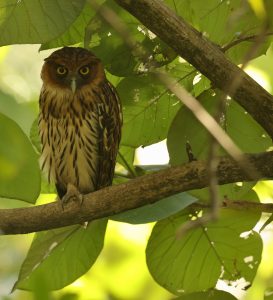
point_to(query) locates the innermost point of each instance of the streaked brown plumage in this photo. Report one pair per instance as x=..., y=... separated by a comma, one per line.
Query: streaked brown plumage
x=79, y=122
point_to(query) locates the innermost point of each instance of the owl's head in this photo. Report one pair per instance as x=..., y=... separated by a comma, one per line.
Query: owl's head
x=72, y=68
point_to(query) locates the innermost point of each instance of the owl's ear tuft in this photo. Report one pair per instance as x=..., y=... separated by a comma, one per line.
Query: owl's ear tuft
x=50, y=58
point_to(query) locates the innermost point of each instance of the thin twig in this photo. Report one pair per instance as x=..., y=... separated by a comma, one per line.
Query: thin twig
x=252, y=38
x=129, y=169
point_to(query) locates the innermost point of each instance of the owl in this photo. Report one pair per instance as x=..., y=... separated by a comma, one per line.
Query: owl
x=79, y=123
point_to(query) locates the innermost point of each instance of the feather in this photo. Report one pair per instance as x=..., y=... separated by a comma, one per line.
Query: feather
x=80, y=132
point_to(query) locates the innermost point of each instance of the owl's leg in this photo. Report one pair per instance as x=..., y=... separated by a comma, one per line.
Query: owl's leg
x=72, y=193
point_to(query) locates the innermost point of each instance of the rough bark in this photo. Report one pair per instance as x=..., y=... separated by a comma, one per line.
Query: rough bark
x=141, y=191
x=205, y=57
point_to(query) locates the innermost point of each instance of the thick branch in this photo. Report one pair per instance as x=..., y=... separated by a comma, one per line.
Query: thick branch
x=135, y=193
x=204, y=56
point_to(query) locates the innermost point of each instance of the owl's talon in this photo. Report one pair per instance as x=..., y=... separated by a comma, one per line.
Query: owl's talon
x=62, y=204
x=72, y=194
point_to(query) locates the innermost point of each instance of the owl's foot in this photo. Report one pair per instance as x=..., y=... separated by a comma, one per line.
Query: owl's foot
x=72, y=194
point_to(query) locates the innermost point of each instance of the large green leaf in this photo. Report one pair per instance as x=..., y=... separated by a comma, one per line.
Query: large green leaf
x=148, y=108
x=185, y=128
x=75, y=33
x=225, y=249
x=245, y=131
x=22, y=113
x=234, y=18
x=268, y=297
x=60, y=256
x=119, y=58
x=46, y=187
x=116, y=55
x=112, y=49
x=34, y=136
x=34, y=22
x=210, y=295
x=247, y=134
x=19, y=169
x=156, y=211
x=232, y=191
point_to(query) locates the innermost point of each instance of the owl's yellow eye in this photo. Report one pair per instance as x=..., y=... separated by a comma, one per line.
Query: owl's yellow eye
x=61, y=70
x=84, y=70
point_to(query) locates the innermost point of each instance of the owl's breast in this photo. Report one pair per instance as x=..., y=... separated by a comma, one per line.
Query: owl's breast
x=70, y=149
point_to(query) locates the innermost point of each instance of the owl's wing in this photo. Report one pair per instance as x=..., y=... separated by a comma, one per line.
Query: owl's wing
x=110, y=122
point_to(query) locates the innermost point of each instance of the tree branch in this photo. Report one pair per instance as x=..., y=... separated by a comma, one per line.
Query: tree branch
x=140, y=191
x=204, y=56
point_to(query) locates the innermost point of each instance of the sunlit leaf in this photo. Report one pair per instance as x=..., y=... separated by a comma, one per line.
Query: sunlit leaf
x=60, y=256
x=34, y=136
x=76, y=32
x=213, y=18
x=46, y=187
x=193, y=263
x=246, y=133
x=148, y=109
x=30, y=21
x=22, y=113
x=19, y=169
x=232, y=191
x=269, y=11
x=210, y=295
x=118, y=58
x=156, y=211
x=185, y=128
x=269, y=296
x=126, y=157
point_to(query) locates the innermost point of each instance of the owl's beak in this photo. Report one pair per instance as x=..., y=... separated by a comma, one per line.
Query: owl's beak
x=73, y=85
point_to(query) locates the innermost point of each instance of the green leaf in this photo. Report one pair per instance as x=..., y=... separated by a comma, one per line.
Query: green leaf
x=247, y=134
x=22, y=113
x=34, y=22
x=245, y=131
x=46, y=187
x=119, y=58
x=156, y=211
x=210, y=295
x=225, y=249
x=60, y=256
x=268, y=5
x=269, y=296
x=148, y=110
x=126, y=157
x=232, y=191
x=116, y=56
x=19, y=168
x=76, y=32
x=34, y=136
x=112, y=49
x=185, y=128
x=201, y=85
x=234, y=18
x=266, y=223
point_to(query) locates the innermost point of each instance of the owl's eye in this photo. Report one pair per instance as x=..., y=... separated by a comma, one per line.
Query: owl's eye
x=61, y=70
x=84, y=70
